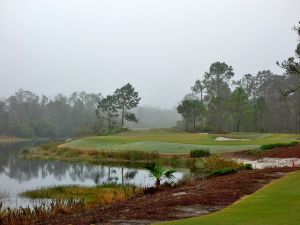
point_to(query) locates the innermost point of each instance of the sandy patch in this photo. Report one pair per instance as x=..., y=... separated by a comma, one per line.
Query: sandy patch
x=230, y=139
x=271, y=162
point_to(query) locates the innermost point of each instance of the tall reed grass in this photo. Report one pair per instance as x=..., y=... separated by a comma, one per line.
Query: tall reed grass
x=102, y=194
x=216, y=163
x=28, y=216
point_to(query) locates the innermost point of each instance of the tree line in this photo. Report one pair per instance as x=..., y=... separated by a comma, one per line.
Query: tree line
x=25, y=114
x=265, y=102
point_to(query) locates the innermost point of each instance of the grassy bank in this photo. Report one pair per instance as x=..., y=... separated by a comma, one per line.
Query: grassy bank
x=174, y=141
x=134, y=158
x=101, y=194
x=275, y=204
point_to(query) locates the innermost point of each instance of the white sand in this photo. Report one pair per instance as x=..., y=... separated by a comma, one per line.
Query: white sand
x=230, y=139
x=271, y=162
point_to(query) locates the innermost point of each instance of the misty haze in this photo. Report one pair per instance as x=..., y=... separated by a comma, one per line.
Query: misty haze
x=141, y=112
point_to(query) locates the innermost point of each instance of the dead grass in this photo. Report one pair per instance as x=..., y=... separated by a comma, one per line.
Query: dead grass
x=217, y=162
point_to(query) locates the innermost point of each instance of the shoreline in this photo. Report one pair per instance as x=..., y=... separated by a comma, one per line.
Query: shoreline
x=11, y=139
x=135, y=158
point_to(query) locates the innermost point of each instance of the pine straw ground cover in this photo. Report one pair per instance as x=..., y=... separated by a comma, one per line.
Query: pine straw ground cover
x=278, y=152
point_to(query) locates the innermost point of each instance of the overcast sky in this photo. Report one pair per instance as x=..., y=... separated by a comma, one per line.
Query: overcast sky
x=160, y=46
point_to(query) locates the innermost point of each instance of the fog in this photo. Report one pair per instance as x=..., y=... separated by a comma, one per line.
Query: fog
x=161, y=47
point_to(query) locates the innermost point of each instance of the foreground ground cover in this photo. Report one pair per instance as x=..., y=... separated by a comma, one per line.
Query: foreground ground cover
x=174, y=141
x=275, y=204
x=187, y=199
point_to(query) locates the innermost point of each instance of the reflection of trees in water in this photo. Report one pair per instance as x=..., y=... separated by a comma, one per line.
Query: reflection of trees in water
x=24, y=170
x=129, y=175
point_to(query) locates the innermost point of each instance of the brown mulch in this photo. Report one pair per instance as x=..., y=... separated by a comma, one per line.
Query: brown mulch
x=188, y=199
x=282, y=152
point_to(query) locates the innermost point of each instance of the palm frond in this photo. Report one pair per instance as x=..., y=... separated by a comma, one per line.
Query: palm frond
x=169, y=174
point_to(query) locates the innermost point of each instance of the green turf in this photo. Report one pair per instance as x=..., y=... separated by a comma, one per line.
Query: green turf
x=174, y=141
x=276, y=204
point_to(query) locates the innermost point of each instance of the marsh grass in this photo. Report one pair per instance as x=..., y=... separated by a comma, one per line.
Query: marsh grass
x=132, y=155
x=101, y=194
x=26, y=215
x=3, y=195
x=217, y=162
x=217, y=165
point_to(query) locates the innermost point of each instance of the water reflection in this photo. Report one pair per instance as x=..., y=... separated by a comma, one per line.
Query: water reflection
x=17, y=174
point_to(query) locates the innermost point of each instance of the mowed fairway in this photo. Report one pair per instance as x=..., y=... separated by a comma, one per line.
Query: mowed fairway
x=276, y=204
x=175, y=141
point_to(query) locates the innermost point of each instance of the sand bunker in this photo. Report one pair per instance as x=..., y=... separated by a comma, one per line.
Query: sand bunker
x=229, y=139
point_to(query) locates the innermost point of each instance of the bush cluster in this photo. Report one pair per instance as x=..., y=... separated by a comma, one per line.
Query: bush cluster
x=246, y=166
x=276, y=145
x=198, y=153
x=216, y=165
x=222, y=171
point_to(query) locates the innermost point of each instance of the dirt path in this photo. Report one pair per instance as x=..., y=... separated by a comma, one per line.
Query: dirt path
x=190, y=199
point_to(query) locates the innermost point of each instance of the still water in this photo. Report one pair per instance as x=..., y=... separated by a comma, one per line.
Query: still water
x=18, y=175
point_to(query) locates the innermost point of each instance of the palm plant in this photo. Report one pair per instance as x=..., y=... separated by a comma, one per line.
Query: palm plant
x=158, y=173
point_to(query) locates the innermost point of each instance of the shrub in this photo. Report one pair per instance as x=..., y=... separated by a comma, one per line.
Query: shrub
x=158, y=173
x=246, y=166
x=26, y=151
x=198, y=153
x=276, y=145
x=176, y=161
x=50, y=145
x=71, y=153
x=222, y=171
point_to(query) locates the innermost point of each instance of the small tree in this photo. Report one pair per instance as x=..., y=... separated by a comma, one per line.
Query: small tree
x=239, y=107
x=191, y=109
x=217, y=79
x=108, y=107
x=260, y=111
x=198, y=88
x=127, y=98
x=292, y=65
x=184, y=108
x=158, y=173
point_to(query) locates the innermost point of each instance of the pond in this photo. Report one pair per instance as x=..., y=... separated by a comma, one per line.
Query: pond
x=18, y=175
